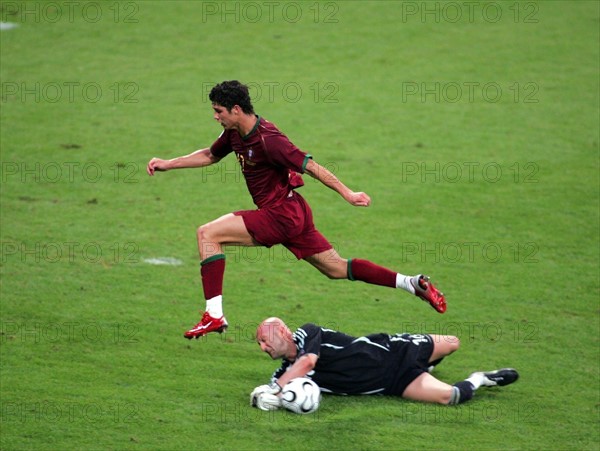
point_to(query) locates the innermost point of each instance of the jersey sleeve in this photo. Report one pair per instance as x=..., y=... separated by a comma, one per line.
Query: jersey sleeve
x=309, y=338
x=221, y=147
x=279, y=371
x=282, y=152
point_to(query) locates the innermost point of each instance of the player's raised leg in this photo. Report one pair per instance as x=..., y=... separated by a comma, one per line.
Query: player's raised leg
x=228, y=229
x=335, y=267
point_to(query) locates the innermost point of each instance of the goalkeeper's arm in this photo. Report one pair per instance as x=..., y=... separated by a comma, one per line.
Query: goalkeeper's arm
x=266, y=397
x=301, y=367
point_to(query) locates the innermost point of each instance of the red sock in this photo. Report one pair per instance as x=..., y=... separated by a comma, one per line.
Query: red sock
x=211, y=271
x=371, y=273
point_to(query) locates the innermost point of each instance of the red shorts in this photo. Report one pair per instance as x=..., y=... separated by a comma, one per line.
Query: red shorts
x=290, y=224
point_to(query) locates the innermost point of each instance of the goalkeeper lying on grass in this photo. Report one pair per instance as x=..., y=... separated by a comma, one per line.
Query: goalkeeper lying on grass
x=397, y=365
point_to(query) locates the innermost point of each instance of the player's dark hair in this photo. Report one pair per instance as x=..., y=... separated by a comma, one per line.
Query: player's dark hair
x=231, y=93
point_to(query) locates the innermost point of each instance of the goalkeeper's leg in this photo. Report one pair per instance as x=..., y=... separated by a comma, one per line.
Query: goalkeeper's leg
x=429, y=389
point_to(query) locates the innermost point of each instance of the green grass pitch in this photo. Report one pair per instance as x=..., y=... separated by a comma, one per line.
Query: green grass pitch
x=472, y=125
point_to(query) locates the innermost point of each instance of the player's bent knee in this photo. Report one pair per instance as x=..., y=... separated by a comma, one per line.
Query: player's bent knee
x=203, y=233
x=454, y=343
x=450, y=344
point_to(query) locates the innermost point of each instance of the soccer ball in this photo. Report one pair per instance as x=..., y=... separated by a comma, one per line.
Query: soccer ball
x=301, y=395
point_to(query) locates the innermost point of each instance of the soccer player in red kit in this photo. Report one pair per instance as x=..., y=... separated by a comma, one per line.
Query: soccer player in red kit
x=271, y=166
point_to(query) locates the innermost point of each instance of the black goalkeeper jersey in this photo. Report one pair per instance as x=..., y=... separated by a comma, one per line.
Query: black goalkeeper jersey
x=359, y=365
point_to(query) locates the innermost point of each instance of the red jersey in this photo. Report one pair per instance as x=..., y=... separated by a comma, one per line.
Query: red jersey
x=269, y=161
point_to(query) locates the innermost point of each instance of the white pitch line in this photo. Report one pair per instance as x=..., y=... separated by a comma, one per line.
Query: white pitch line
x=8, y=25
x=170, y=261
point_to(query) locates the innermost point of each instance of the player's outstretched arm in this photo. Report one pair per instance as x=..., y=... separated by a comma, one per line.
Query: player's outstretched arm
x=327, y=178
x=301, y=367
x=199, y=158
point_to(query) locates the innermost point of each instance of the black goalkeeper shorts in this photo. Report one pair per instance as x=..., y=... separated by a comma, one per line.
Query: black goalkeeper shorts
x=414, y=352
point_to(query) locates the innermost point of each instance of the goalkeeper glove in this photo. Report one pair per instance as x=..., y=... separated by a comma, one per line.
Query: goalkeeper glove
x=265, y=397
